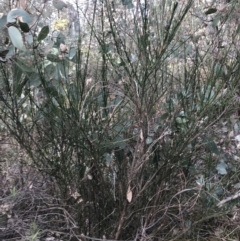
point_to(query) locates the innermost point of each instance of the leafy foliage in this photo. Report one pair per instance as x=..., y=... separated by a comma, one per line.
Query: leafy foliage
x=43, y=33
x=125, y=119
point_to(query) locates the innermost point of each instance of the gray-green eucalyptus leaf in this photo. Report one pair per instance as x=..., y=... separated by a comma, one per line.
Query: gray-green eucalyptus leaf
x=16, y=38
x=16, y=13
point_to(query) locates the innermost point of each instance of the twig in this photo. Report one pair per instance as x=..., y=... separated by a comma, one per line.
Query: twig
x=84, y=238
x=236, y=195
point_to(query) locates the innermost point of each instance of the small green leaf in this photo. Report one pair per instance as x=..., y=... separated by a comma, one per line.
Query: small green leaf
x=211, y=11
x=211, y=145
x=24, y=67
x=16, y=38
x=24, y=27
x=72, y=53
x=149, y=140
x=221, y=168
x=53, y=58
x=17, y=77
x=208, y=93
x=128, y=3
x=34, y=80
x=59, y=4
x=49, y=70
x=216, y=21
x=108, y=157
x=200, y=181
x=118, y=128
x=188, y=223
x=53, y=51
x=181, y=120
x=236, y=128
x=237, y=186
x=17, y=73
x=119, y=142
x=164, y=116
x=238, y=29
x=43, y=33
x=219, y=190
x=60, y=39
x=61, y=70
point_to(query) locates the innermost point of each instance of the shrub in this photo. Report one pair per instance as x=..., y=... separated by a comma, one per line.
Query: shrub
x=127, y=117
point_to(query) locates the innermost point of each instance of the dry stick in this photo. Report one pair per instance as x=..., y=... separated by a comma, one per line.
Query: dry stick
x=84, y=238
x=215, y=215
x=236, y=195
x=121, y=221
